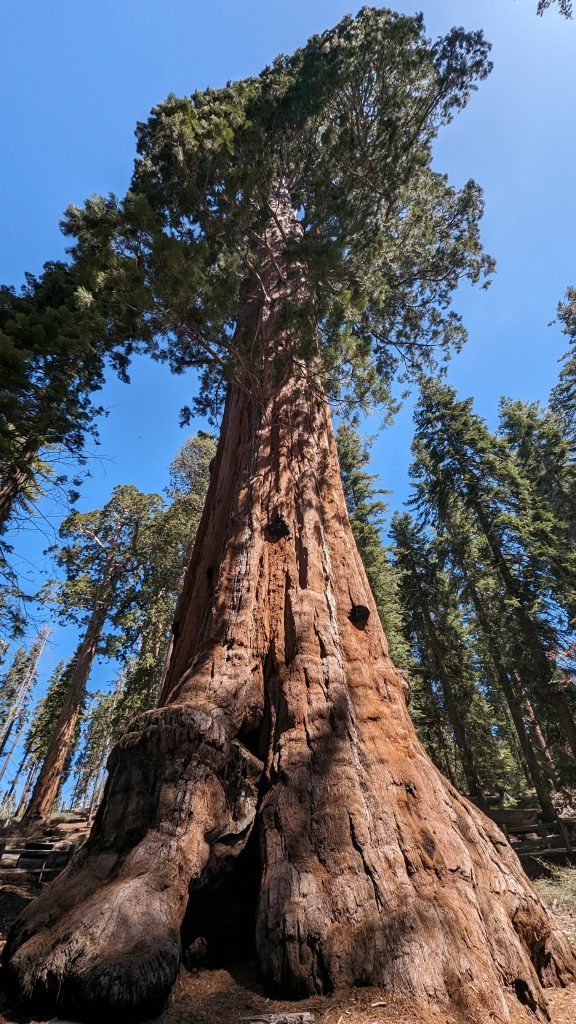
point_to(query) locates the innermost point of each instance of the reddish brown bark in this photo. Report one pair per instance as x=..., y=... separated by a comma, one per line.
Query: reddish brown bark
x=286, y=722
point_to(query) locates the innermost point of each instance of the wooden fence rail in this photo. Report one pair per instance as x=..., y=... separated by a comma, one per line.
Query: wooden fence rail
x=530, y=836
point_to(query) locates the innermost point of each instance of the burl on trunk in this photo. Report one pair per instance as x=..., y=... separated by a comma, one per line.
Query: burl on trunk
x=285, y=722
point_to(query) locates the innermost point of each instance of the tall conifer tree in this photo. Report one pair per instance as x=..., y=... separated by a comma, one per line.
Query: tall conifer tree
x=295, y=243
x=458, y=460
x=102, y=549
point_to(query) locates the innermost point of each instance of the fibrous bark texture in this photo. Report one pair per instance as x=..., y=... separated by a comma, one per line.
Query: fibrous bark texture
x=104, y=938
x=285, y=721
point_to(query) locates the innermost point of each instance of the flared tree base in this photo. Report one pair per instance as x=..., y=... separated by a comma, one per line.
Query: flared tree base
x=450, y=920
x=104, y=937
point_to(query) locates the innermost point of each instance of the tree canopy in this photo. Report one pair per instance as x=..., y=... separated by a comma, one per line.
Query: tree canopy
x=564, y=6
x=342, y=130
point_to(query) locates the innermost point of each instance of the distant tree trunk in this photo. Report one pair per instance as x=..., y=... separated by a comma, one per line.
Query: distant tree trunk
x=444, y=762
x=29, y=678
x=284, y=720
x=565, y=719
x=144, y=679
x=544, y=669
x=10, y=792
x=97, y=791
x=76, y=793
x=537, y=776
x=12, y=750
x=166, y=665
x=48, y=781
x=538, y=735
x=16, y=478
x=26, y=791
x=454, y=713
x=7, y=734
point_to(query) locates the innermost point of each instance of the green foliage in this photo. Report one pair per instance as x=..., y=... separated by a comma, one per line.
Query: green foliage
x=366, y=513
x=537, y=441
x=97, y=742
x=563, y=395
x=46, y=362
x=56, y=337
x=499, y=509
x=102, y=559
x=11, y=681
x=459, y=463
x=146, y=601
x=452, y=696
x=144, y=606
x=18, y=683
x=43, y=722
x=342, y=130
x=564, y=6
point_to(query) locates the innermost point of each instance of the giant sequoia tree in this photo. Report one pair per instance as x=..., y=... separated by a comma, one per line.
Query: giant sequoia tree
x=294, y=242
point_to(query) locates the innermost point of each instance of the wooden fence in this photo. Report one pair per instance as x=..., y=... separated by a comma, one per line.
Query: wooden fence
x=530, y=836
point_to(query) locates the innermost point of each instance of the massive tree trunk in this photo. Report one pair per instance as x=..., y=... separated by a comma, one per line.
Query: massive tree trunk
x=285, y=713
x=284, y=752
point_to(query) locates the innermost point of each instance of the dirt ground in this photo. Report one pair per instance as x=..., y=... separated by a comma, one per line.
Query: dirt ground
x=222, y=997
x=228, y=996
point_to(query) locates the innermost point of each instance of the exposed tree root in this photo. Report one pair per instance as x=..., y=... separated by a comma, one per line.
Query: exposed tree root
x=105, y=936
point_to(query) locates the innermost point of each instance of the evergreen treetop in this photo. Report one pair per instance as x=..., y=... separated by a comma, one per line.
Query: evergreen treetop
x=102, y=547
x=341, y=134
x=563, y=394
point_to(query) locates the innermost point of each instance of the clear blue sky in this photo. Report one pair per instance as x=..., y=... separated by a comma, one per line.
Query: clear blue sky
x=75, y=77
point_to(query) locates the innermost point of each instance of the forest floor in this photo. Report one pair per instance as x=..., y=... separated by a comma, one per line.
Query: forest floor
x=227, y=996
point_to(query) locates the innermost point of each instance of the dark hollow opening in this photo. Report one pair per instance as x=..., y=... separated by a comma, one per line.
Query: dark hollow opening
x=253, y=741
x=359, y=615
x=524, y=995
x=223, y=914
